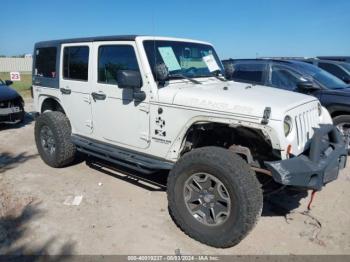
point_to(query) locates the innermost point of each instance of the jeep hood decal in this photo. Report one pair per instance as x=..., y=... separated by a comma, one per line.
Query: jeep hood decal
x=234, y=98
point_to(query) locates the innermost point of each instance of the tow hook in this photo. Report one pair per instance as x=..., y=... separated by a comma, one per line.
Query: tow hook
x=311, y=199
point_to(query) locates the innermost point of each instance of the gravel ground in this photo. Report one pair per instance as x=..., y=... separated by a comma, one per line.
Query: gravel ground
x=120, y=214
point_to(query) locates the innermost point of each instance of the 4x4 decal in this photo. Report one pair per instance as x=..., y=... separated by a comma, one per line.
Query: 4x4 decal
x=160, y=123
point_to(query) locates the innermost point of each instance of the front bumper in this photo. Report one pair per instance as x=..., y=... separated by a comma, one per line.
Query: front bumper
x=11, y=114
x=317, y=166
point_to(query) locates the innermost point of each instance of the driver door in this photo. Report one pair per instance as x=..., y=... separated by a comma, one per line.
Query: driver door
x=118, y=118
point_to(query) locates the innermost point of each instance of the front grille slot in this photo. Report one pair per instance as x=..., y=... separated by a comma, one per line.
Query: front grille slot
x=304, y=124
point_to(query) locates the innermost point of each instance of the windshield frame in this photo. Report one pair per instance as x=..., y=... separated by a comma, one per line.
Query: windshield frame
x=169, y=43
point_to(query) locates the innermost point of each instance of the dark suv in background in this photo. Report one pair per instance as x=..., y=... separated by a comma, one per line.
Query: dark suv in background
x=337, y=68
x=297, y=76
x=335, y=58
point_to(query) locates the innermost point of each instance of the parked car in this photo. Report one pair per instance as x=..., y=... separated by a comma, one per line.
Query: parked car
x=158, y=103
x=11, y=104
x=301, y=77
x=336, y=68
x=335, y=58
x=339, y=69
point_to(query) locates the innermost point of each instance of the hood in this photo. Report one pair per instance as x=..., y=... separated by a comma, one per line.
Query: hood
x=337, y=92
x=7, y=93
x=233, y=98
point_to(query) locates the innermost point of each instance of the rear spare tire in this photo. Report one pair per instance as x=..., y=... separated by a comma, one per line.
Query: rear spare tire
x=53, y=139
x=214, y=196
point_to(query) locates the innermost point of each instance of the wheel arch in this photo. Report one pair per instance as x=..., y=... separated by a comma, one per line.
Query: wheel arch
x=223, y=128
x=338, y=110
x=50, y=103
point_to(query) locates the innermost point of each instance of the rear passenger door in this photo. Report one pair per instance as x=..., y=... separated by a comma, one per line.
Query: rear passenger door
x=75, y=86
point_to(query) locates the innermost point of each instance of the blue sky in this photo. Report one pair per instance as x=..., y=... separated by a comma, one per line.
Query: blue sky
x=237, y=28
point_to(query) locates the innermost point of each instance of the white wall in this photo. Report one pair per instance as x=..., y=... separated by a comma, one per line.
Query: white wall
x=10, y=64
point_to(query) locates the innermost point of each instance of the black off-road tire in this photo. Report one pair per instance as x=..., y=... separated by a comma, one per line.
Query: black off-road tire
x=65, y=150
x=243, y=187
x=342, y=119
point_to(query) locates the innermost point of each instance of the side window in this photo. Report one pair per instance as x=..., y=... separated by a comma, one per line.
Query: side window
x=284, y=78
x=251, y=73
x=76, y=62
x=45, y=62
x=333, y=69
x=112, y=58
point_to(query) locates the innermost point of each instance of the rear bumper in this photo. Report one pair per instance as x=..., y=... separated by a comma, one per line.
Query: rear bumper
x=317, y=166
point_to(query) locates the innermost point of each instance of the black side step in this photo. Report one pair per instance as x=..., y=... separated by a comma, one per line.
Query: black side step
x=120, y=156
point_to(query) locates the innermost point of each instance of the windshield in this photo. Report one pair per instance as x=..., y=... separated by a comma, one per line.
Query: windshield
x=183, y=58
x=323, y=77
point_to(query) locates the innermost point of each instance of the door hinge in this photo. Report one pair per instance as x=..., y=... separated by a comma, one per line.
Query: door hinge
x=87, y=99
x=145, y=137
x=89, y=124
x=144, y=108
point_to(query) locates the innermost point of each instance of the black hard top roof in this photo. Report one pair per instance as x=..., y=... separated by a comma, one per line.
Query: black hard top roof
x=86, y=39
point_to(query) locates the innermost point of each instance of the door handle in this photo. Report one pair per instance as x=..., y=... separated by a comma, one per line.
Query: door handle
x=98, y=96
x=65, y=91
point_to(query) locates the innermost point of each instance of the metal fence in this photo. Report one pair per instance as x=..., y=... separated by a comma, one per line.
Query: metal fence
x=11, y=64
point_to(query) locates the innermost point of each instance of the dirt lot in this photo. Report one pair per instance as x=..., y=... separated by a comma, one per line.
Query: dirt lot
x=120, y=214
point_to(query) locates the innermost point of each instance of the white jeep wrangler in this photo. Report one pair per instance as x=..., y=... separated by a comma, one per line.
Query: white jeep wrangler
x=158, y=103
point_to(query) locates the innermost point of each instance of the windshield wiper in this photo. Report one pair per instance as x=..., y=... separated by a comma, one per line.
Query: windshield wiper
x=184, y=77
x=215, y=74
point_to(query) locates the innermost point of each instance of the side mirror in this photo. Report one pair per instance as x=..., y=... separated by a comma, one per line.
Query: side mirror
x=229, y=69
x=161, y=72
x=307, y=86
x=129, y=79
x=8, y=82
x=346, y=79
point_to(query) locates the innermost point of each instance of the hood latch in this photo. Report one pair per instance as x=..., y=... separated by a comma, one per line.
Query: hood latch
x=266, y=116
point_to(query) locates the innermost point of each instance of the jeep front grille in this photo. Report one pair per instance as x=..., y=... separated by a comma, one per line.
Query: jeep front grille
x=304, y=124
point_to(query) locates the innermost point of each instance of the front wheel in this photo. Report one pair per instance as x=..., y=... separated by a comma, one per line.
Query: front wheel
x=343, y=124
x=214, y=197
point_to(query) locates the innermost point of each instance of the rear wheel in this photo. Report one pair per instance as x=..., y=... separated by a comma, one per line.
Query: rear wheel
x=53, y=139
x=214, y=197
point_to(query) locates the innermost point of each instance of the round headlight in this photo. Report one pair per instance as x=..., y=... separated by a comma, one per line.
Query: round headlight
x=287, y=124
x=319, y=107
